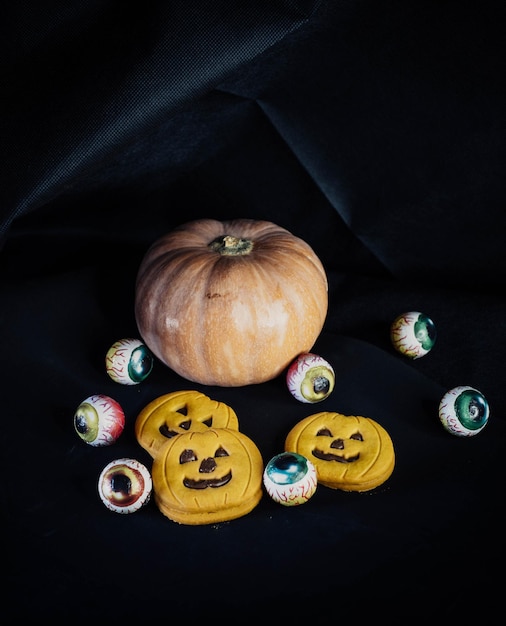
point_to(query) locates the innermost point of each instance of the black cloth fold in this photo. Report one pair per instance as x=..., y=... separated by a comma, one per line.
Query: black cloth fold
x=84, y=81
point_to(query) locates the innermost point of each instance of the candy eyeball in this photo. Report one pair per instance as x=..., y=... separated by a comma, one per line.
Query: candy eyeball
x=128, y=361
x=310, y=378
x=99, y=420
x=464, y=411
x=290, y=479
x=125, y=485
x=413, y=334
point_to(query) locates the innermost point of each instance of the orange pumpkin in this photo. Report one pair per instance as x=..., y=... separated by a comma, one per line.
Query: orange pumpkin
x=230, y=303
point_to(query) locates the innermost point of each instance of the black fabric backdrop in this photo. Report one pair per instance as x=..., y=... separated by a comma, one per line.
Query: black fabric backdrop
x=373, y=130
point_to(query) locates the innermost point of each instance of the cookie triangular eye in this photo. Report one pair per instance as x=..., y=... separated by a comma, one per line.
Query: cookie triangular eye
x=208, y=421
x=165, y=431
x=187, y=456
x=324, y=432
x=220, y=452
x=357, y=437
x=183, y=410
x=185, y=425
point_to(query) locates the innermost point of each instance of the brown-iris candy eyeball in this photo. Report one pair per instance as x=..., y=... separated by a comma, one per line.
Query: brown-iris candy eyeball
x=230, y=303
x=125, y=485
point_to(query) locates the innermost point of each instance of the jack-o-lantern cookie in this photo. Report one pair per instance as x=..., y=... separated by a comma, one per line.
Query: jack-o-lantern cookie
x=207, y=476
x=349, y=452
x=177, y=413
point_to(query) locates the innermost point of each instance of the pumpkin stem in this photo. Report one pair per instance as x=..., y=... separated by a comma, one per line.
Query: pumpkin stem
x=231, y=246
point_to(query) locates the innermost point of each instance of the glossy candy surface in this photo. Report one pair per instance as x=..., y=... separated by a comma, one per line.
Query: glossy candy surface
x=290, y=479
x=413, y=334
x=464, y=411
x=310, y=378
x=125, y=485
x=99, y=420
x=129, y=361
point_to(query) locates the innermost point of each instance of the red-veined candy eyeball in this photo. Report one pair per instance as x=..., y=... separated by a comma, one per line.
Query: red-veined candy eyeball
x=129, y=361
x=290, y=479
x=413, y=334
x=99, y=420
x=310, y=378
x=125, y=485
x=464, y=411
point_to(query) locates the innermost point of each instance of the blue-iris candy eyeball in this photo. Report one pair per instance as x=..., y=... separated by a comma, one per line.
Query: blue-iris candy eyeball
x=413, y=334
x=290, y=479
x=310, y=378
x=125, y=485
x=464, y=411
x=129, y=361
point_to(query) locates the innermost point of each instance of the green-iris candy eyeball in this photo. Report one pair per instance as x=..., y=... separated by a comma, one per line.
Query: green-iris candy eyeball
x=413, y=334
x=464, y=411
x=129, y=361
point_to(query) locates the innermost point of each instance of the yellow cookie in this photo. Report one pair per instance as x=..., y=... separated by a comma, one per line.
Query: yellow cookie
x=207, y=476
x=178, y=412
x=349, y=452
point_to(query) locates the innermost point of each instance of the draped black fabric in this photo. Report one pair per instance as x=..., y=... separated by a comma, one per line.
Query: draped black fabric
x=373, y=130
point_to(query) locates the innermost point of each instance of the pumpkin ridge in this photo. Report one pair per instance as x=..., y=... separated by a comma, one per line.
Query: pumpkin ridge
x=254, y=229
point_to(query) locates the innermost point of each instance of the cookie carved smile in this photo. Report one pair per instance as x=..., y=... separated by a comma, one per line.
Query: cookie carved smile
x=329, y=456
x=207, y=482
